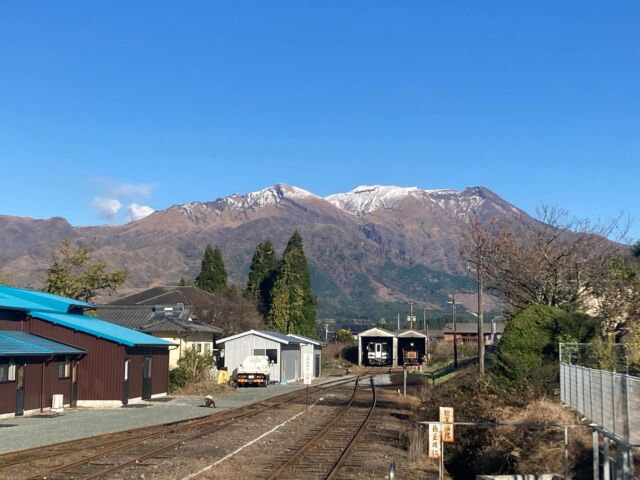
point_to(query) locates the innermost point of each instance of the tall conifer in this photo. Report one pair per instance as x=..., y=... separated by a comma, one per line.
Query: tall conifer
x=262, y=272
x=293, y=305
x=213, y=276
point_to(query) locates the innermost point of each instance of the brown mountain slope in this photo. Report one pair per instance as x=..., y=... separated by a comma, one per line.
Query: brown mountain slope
x=374, y=243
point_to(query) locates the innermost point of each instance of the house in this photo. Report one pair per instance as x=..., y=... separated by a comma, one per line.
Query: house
x=285, y=352
x=411, y=340
x=172, y=322
x=468, y=332
x=381, y=343
x=32, y=370
x=106, y=364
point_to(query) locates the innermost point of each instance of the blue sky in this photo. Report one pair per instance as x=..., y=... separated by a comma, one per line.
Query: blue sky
x=157, y=103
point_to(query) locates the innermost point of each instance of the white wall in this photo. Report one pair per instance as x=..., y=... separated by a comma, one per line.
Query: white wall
x=235, y=351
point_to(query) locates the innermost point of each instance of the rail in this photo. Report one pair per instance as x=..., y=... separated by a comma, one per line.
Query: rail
x=297, y=458
x=114, y=444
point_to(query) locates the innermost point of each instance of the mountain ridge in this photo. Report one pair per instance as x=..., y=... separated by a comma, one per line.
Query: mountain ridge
x=370, y=245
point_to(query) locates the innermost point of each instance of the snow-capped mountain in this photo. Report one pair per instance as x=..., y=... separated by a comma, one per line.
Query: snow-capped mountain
x=367, y=199
x=369, y=244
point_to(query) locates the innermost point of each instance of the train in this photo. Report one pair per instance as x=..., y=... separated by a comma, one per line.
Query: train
x=378, y=353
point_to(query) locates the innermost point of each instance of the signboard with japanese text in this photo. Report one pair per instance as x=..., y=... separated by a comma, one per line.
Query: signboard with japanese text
x=435, y=444
x=446, y=418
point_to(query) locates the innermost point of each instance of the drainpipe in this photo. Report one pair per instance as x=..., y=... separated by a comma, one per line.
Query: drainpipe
x=42, y=386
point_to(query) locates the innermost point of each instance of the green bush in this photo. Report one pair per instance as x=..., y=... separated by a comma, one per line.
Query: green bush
x=177, y=378
x=528, y=349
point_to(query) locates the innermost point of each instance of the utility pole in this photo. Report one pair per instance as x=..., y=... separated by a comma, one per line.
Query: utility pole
x=411, y=304
x=455, y=330
x=398, y=322
x=480, y=322
x=424, y=320
x=326, y=332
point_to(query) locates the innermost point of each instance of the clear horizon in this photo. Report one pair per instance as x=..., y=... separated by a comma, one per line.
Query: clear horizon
x=112, y=111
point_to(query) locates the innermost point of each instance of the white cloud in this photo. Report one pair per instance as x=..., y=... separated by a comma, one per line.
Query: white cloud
x=138, y=212
x=106, y=207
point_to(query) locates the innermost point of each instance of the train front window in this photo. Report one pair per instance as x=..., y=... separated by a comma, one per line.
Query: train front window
x=371, y=347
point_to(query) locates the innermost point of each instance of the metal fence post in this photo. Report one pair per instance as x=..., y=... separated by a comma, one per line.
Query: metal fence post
x=596, y=454
x=566, y=452
x=613, y=402
x=606, y=472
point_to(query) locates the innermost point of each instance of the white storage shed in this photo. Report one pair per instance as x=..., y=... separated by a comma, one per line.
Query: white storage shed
x=284, y=352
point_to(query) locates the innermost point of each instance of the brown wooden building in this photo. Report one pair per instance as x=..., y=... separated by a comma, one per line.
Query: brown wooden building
x=119, y=365
x=468, y=332
x=32, y=370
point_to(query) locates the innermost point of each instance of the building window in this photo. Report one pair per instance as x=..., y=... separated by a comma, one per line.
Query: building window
x=258, y=351
x=272, y=353
x=199, y=347
x=64, y=369
x=7, y=372
x=207, y=348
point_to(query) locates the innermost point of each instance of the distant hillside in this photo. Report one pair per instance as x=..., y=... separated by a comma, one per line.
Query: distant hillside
x=371, y=249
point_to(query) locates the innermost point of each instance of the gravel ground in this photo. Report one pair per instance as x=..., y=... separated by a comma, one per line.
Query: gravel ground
x=19, y=433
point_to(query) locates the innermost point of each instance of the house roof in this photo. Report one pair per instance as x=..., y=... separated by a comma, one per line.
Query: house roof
x=101, y=329
x=306, y=339
x=275, y=336
x=472, y=327
x=376, y=332
x=155, y=318
x=22, y=344
x=411, y=333
x=436, y=334
x=22, y=299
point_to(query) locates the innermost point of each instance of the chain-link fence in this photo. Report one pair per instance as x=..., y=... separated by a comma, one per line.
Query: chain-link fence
x=610, y=399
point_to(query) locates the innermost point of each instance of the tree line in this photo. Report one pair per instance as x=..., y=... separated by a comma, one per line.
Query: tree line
x=279, y=288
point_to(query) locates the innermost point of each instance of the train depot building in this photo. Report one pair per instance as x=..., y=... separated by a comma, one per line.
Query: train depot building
x=49, y=347
x=285, y=353
x=379, y=347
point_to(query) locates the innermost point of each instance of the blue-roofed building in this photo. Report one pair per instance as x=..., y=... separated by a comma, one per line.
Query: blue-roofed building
x=107, y=364
x=32, y=370
x=285, y=353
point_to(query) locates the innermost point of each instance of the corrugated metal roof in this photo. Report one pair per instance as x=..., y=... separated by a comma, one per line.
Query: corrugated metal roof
x=281, y=336
x=22, y=344
x=101, y=329
x=22, y=299
x=305, y=339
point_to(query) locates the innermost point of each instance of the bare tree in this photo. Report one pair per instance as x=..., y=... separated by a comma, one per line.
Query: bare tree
x=554, y=260
x=477, y=244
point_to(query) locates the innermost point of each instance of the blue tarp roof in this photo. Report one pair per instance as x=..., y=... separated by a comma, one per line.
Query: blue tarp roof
x=22, y=344
x=101, y=329
x=21, y=299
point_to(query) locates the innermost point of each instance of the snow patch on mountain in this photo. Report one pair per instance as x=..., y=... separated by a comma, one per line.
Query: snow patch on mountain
x=268, y=196
x=368, y=198
x=252, y=201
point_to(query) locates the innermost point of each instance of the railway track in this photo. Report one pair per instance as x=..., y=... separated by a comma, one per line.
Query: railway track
x=104, y=455
x=323, y=453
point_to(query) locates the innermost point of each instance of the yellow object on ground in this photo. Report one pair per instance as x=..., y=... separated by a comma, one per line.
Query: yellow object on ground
x=223, y=377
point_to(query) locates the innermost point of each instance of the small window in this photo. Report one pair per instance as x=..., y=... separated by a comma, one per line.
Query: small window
x=199, y=347
x=272, y=353
x=259, y=351
x=207, y=348
x=64, y=369
x=7, y=372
